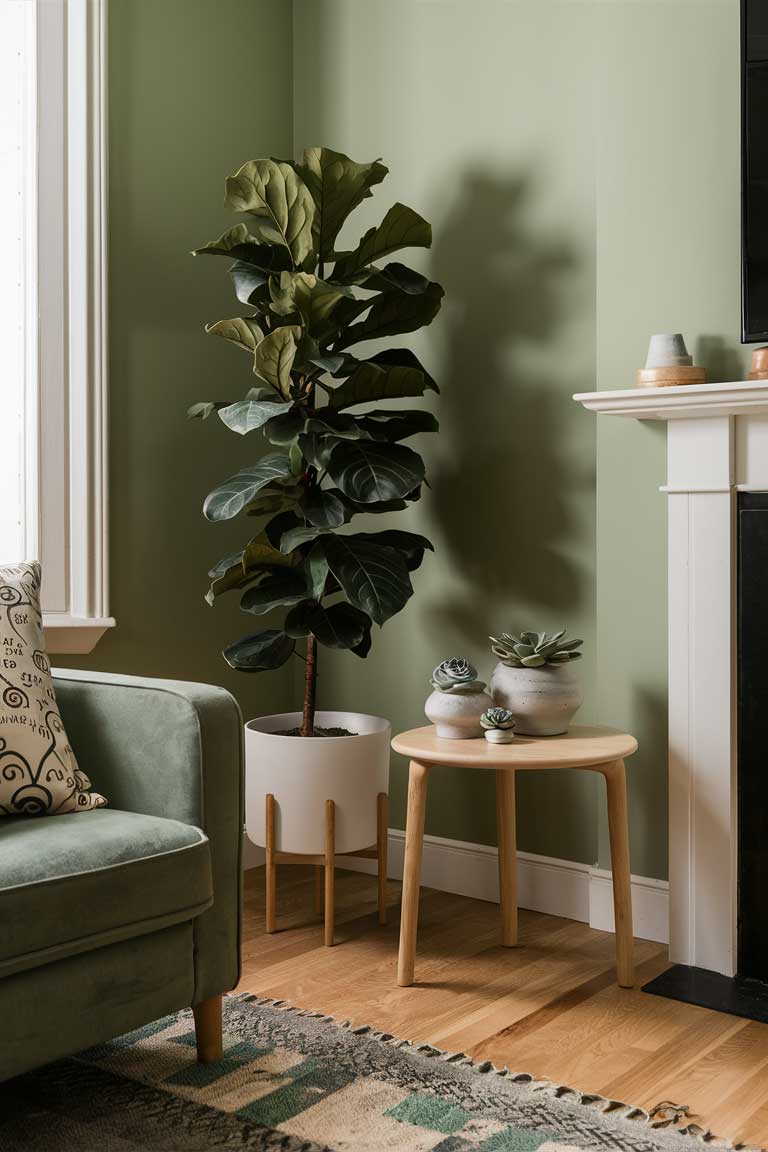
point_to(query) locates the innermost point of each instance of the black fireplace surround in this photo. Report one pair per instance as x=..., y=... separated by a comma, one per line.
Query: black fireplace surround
x=747, y=993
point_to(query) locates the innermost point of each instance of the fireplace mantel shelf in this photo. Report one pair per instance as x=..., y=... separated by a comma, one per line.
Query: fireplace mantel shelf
x=739, y=398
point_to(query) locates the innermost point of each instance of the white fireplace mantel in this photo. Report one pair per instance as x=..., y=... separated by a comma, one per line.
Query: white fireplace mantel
x=717, y=445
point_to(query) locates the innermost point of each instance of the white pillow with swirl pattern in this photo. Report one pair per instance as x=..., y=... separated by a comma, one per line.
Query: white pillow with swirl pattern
x=39, y=775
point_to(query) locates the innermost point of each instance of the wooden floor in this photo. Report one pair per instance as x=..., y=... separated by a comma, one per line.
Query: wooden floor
x=550, y=1007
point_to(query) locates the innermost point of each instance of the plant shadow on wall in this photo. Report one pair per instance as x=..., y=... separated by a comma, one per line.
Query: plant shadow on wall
x=500, y=491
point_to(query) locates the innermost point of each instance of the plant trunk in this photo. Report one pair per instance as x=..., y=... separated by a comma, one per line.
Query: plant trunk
x=310, y=685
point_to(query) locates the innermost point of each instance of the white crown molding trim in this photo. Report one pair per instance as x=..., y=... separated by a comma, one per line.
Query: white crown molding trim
x=545, y=884
x=740, y=397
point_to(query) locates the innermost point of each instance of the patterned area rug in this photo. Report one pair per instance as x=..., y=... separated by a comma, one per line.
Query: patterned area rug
x=295, y=1080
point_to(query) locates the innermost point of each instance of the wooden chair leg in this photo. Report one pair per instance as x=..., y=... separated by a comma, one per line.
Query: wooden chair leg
x=271, y=917
x=208, y=1030
x=381, y=853
x=330, y=842
x=505, y=823
x=319, y=882
x=414, y=842
x=618, y=828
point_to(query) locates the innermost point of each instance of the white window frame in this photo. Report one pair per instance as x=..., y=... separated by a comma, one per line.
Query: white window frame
x=67, y=526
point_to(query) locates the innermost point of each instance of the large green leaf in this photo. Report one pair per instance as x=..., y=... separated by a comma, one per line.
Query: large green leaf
x=326, y=422
x=243, y=331
x=397, y=425
x=250, y=285
x=261, y=553
x=323, y=508
x=393, y=276
x=206, y=408
x=294, y=537
x=368, y=471
x=315, y=568
x=229, y=573
x=410, y=545
x=261, y=652
x=274, y=356
x=373, y=578
x=280, y=524
x=280, y=588
x=389, y=375
x=309, y=355
x=240, y=569
x=246, y=415
x=400, y=228
x=392, y=313
x=234, y=494
x=279, y=203
x=238, y=244
x=340, y=626
x=284, y=429
x=312, y=299
x=337, y=185
x=272, y=500
x=317, y=447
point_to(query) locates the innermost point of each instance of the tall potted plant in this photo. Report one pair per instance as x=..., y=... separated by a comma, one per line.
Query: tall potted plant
x=333, y=453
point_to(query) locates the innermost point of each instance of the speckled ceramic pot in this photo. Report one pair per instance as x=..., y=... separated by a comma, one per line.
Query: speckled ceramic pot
x=456, y=715
x=543, y=700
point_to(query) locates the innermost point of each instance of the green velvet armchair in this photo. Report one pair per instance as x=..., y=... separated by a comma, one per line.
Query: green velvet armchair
x=112, y=918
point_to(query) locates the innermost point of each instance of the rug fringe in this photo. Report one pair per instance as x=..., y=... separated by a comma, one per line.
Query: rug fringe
x=665, y=1114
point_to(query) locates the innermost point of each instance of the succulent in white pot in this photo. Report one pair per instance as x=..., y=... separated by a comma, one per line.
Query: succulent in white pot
x=458, y=701
x=535, y=680
x=498, y=725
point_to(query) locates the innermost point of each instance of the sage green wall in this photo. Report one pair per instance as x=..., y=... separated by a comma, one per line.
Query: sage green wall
x=579, y=161
x=667, y=188
x=195, y=88
x=498, y=155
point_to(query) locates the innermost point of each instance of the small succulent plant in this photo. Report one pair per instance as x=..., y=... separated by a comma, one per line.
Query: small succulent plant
x=456, y=675
x=534, y=649
x=498, y=718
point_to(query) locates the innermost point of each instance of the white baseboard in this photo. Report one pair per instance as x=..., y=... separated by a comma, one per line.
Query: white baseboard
x=545, y=884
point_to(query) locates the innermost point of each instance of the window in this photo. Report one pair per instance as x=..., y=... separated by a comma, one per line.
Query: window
x=53, y=384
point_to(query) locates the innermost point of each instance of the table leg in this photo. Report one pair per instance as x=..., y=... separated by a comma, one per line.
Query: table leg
x=414, y=839
x=330, y=849
x=382, y=832
x=616, y=783
x=271, y=923
x=505, y=824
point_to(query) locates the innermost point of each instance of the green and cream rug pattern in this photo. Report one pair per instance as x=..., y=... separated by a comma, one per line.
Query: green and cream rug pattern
x=299, y=1082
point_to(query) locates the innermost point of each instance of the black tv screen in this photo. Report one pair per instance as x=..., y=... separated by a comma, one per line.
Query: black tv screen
x=754, y=170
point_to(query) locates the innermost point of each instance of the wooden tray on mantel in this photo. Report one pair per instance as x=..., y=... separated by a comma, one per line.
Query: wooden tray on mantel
x=671, y=377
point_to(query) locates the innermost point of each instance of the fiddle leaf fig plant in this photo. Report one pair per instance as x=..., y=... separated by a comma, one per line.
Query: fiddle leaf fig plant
x=305, y=304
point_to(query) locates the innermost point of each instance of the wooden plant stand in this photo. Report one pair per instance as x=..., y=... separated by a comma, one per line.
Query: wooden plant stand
x=324, y=864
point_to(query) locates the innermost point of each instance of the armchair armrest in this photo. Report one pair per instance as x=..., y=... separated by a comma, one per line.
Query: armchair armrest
x=175, y=749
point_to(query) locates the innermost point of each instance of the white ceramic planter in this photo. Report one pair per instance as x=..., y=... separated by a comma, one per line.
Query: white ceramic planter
x=456, y=715
x=543, y=700
x=302, y=773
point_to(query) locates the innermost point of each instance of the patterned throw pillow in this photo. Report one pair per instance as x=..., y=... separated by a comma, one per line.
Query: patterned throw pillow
x=39, y=775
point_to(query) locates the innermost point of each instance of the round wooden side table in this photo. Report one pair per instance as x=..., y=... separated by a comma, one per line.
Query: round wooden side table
x=595, y=749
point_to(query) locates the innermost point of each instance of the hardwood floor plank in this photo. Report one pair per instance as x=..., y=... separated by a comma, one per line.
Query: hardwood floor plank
x=550, y=1006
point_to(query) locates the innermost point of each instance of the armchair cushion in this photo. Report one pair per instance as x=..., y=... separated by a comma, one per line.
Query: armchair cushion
x=93, y=878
